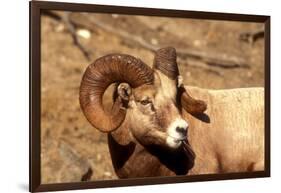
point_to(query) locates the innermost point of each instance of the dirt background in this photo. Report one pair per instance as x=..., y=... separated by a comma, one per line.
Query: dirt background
x=71, y=149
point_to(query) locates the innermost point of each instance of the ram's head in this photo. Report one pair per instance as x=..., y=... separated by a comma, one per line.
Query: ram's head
x=149, y=100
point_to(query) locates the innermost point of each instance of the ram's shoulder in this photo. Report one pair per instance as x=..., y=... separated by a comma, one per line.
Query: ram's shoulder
x=238, y=93
x=229, y=97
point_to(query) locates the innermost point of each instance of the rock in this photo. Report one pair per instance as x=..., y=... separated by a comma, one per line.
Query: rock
x=87, y=176
x=84, y=33
x=59, y=28
x=108, y=174
x=75, y=167
x=154, y=41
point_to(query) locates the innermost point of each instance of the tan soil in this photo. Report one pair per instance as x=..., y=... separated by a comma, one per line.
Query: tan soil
x=69, y=144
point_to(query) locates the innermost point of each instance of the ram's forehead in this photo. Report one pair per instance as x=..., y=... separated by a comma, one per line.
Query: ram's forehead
x=145, y=91
x=168, y=86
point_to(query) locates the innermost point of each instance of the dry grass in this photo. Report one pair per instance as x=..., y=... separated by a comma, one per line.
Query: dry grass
x=70, y=145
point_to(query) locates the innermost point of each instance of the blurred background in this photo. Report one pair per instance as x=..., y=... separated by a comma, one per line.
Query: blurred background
x=211, y=54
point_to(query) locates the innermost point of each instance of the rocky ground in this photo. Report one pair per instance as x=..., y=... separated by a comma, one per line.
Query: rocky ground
x=213, y=55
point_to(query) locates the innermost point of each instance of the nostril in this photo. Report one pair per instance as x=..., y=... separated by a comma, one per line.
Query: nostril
x=182, y=130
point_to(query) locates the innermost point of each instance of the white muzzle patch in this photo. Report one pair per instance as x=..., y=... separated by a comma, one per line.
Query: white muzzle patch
x=177, y=132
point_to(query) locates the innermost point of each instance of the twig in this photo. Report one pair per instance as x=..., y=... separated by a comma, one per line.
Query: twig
x=212, y=59
x=205, y=67
x=51, y=14
x=201, y=65
x=123, y=34
x=71, y=26
x=87, y=176
x=252, y=37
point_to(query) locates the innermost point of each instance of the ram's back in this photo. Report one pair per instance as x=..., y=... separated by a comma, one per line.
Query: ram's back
x=230, y=136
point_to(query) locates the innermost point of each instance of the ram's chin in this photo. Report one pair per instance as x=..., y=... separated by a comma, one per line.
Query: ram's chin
x=173, y=143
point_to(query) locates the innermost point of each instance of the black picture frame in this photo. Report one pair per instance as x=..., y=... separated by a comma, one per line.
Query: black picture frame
x=36, y=7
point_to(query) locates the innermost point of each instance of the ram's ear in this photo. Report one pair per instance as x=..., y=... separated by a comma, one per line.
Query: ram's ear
x=124, y=91
x=191, y=105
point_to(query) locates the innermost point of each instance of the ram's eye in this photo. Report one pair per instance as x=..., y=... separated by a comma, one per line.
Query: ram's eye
x=145, y=102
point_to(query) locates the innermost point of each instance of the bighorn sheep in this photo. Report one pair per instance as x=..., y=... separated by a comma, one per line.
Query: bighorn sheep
x=155, y=127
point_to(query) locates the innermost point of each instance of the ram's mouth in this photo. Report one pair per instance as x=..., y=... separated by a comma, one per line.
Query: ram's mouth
x=184, y=145
x=178, y=139
x=187, y=148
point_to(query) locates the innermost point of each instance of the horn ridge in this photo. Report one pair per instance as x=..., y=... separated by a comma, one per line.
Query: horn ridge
x=98, y=76
x=165, y=60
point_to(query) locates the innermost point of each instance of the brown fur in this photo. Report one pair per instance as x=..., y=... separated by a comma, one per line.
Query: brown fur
x=149, y=107
x=139, y=148
x=229, y=137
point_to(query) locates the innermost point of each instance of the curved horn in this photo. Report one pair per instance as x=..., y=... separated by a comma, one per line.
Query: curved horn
x=166, y=61
x=98, y=76
x=191, y=105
